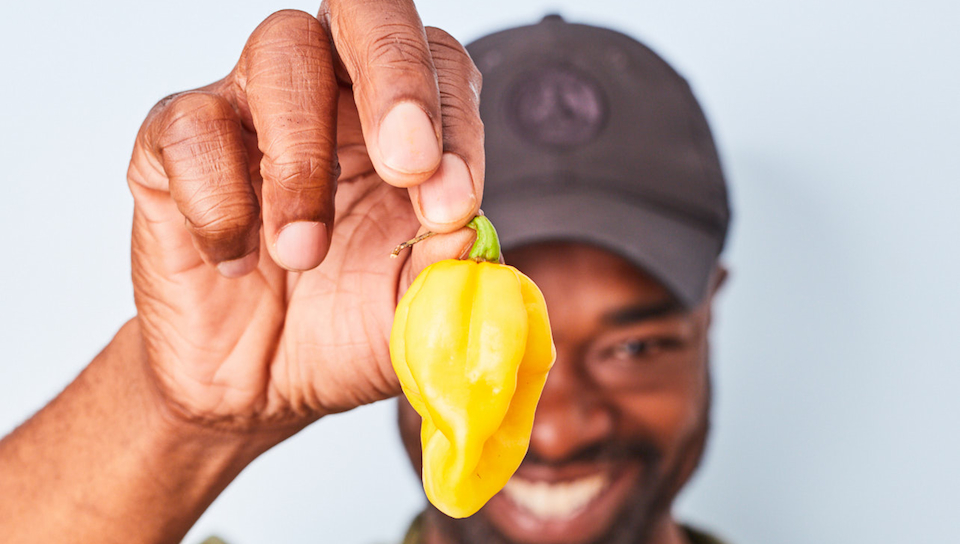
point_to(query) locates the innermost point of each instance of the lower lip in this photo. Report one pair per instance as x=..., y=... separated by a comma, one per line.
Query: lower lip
x=586, y=524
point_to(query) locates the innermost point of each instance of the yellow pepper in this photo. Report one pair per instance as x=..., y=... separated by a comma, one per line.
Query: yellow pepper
x=471, y=344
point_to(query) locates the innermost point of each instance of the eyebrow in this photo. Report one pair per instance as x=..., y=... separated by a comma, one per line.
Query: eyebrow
x=642, y=312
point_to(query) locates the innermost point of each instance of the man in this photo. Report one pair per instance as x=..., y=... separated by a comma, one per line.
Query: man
x=243, y=337
x=604, y=183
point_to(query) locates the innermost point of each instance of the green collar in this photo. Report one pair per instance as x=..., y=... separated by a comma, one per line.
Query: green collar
x=694, y=536
x=415, y=532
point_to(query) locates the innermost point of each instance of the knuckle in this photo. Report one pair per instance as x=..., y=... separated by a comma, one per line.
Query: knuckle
x=281, y=23
x=293, y=134
x=454, y=65
x=446, y=47
x=450, y=53
x=162, y=104
x=286, y=34
x=192, y=135
x=290, y=46
x=193, y=115
x=197, y=101
x=177, y=127
x=200, y=137
x=223, y=220
x=296, y=173
x=439, y=35
x=399, y=45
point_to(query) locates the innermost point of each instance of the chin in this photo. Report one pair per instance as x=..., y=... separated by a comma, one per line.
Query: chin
x=572, y=505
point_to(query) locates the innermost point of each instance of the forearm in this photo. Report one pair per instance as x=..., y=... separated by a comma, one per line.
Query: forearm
x=104, y=462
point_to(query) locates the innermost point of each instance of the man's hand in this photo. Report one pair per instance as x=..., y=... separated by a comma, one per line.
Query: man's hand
x=239, y=197
x=241, y=190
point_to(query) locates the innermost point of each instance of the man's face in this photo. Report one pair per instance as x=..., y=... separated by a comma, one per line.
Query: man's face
x=623, y=417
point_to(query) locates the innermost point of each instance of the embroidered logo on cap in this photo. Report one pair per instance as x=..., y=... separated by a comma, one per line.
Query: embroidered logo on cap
x=556, y=106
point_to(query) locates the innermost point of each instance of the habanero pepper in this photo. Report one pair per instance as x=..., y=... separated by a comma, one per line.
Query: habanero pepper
x=471, y=344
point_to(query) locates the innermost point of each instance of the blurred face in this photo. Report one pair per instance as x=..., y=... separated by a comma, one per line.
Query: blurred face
x=623, y=417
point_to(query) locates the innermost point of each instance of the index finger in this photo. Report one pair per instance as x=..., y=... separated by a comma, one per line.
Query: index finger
x=286, y=83
x=383, y=48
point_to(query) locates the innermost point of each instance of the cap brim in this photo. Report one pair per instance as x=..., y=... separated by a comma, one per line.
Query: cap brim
x=678, y=254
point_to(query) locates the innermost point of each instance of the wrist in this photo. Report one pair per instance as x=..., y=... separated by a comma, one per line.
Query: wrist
x=166, y=464
x=194, y=457
x=111, y=443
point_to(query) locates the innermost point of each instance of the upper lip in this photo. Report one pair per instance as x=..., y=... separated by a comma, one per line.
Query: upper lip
x=560, y=473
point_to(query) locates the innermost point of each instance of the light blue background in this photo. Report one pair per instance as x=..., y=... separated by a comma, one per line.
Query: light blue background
x=836, y=365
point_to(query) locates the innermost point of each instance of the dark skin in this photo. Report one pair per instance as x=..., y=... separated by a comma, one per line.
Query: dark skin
x=627, y=403
x=266, y=205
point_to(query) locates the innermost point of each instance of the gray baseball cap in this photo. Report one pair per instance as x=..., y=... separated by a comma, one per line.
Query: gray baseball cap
x=592, y=137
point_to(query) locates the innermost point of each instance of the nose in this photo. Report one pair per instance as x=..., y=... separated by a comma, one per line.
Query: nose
x=571, y=415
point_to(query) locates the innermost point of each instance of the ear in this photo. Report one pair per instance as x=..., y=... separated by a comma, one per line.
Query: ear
x=718, y=278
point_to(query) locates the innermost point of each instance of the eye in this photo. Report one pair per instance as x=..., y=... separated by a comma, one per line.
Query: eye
x=634, y=348
x=638, y=348
x=640, y=360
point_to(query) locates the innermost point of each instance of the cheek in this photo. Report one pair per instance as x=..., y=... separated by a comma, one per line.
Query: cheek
x=668, y=417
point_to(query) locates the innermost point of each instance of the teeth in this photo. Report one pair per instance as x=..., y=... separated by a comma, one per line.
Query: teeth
x=555, y=500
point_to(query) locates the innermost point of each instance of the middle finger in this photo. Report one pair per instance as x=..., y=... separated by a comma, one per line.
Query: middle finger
x=383, y=48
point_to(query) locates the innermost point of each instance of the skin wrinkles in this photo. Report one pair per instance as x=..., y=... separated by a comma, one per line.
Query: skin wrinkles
x=223, y=231
x=406, y=76
x=287, y=172
x=187, y=117
x=215, y=216
x=459, y=109
x=460, y=112
x=649, y=430
x=397, y=47
x=206, y=377
x=268, y=49
x=455, y=114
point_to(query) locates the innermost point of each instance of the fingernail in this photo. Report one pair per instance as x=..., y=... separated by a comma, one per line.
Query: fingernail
x=408, y=143
x=448, y=197
x=239, y=267
x=301, y=245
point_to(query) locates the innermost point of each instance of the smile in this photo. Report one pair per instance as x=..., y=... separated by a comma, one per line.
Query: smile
x=555, y=500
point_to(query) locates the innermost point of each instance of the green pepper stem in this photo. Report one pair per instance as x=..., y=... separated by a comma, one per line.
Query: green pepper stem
x=487, y=246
